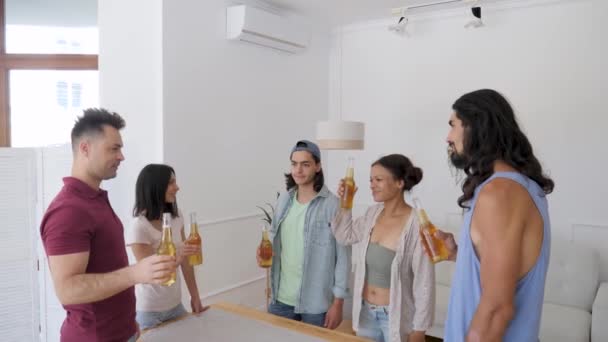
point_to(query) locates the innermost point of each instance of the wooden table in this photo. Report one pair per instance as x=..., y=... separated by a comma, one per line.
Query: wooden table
x=262, y=320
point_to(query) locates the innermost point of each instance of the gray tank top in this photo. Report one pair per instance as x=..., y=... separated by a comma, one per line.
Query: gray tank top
x=378, y=260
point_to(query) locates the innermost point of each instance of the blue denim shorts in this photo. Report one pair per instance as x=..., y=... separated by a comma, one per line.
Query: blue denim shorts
x=373, y=322
x=148, y=319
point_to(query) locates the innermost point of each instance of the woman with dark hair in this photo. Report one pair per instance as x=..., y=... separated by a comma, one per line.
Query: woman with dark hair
x=394, y=288
x=155, y=194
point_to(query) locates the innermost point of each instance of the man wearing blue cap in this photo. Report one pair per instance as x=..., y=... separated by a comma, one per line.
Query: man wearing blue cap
x=309, y=269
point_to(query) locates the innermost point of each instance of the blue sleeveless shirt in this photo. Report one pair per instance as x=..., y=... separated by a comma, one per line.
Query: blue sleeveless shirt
x=465, y=292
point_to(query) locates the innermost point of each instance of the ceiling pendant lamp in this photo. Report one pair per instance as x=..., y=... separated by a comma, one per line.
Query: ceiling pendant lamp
x=339, y=134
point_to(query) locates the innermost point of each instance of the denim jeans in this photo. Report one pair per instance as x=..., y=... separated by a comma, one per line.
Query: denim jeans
x=284, y=310
x=147, y=319
x=373, y=322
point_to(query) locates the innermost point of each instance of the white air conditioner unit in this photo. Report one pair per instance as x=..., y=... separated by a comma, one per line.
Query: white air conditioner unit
x=261, y=27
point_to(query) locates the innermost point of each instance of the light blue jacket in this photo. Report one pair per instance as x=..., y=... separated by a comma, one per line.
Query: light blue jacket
x=326, y=265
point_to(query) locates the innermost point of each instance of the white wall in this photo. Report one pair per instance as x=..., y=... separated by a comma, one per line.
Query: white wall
x=548, y=58
x=130, y=77
x=232, y=112
x=223, y=114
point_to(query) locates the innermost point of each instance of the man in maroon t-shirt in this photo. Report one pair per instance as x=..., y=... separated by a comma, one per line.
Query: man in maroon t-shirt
x=84, y=241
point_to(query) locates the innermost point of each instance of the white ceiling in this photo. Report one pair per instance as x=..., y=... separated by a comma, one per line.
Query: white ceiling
x=337, y=12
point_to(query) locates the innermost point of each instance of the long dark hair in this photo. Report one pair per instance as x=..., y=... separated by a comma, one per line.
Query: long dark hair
x=319, y=179
x=150, y=190
x=491, y=133
x=401, y=168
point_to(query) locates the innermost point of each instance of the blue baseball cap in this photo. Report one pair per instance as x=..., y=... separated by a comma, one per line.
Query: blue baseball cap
x=308, y=146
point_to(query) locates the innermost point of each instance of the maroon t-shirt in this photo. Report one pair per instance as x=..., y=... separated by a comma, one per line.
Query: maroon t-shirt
x=80, y=219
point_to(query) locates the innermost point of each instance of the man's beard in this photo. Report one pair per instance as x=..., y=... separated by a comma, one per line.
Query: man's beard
x=458, y=160
x=456, y=163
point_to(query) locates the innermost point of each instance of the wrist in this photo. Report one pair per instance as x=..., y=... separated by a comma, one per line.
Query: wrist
x=131, y=275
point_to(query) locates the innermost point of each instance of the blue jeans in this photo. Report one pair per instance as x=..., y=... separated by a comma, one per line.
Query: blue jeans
x=373, y=322
x=287, y=311
x=147, y=319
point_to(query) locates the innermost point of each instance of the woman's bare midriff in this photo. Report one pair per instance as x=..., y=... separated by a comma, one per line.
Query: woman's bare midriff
x=376, y=295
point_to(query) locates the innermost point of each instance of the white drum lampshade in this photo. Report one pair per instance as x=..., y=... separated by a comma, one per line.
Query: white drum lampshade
x=340, y=135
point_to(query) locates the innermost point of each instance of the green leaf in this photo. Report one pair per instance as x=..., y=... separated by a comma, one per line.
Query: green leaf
x=268, y=218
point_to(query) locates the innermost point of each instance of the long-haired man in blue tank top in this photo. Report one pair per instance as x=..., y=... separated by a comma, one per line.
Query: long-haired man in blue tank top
x=503, y=252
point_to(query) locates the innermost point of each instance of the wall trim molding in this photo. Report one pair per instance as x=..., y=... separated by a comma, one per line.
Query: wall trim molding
x=233, y=287
x=215, y=222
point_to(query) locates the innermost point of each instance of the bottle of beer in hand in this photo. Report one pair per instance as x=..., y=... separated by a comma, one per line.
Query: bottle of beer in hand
x=194, y=239
x=166, y=246
x=346, y=201
x=434, y=247
x=265, y=250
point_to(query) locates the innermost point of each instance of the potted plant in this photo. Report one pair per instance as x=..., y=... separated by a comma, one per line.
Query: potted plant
x=268, y=213
x=266, y=245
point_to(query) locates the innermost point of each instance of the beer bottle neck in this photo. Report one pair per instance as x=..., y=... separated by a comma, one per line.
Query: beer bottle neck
x=350, y=168
x=167, y=235
x=193, y=228
x=422, y=217
x=350, y=173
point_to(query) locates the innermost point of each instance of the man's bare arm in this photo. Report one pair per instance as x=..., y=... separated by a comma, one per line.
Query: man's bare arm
x=74, y=286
